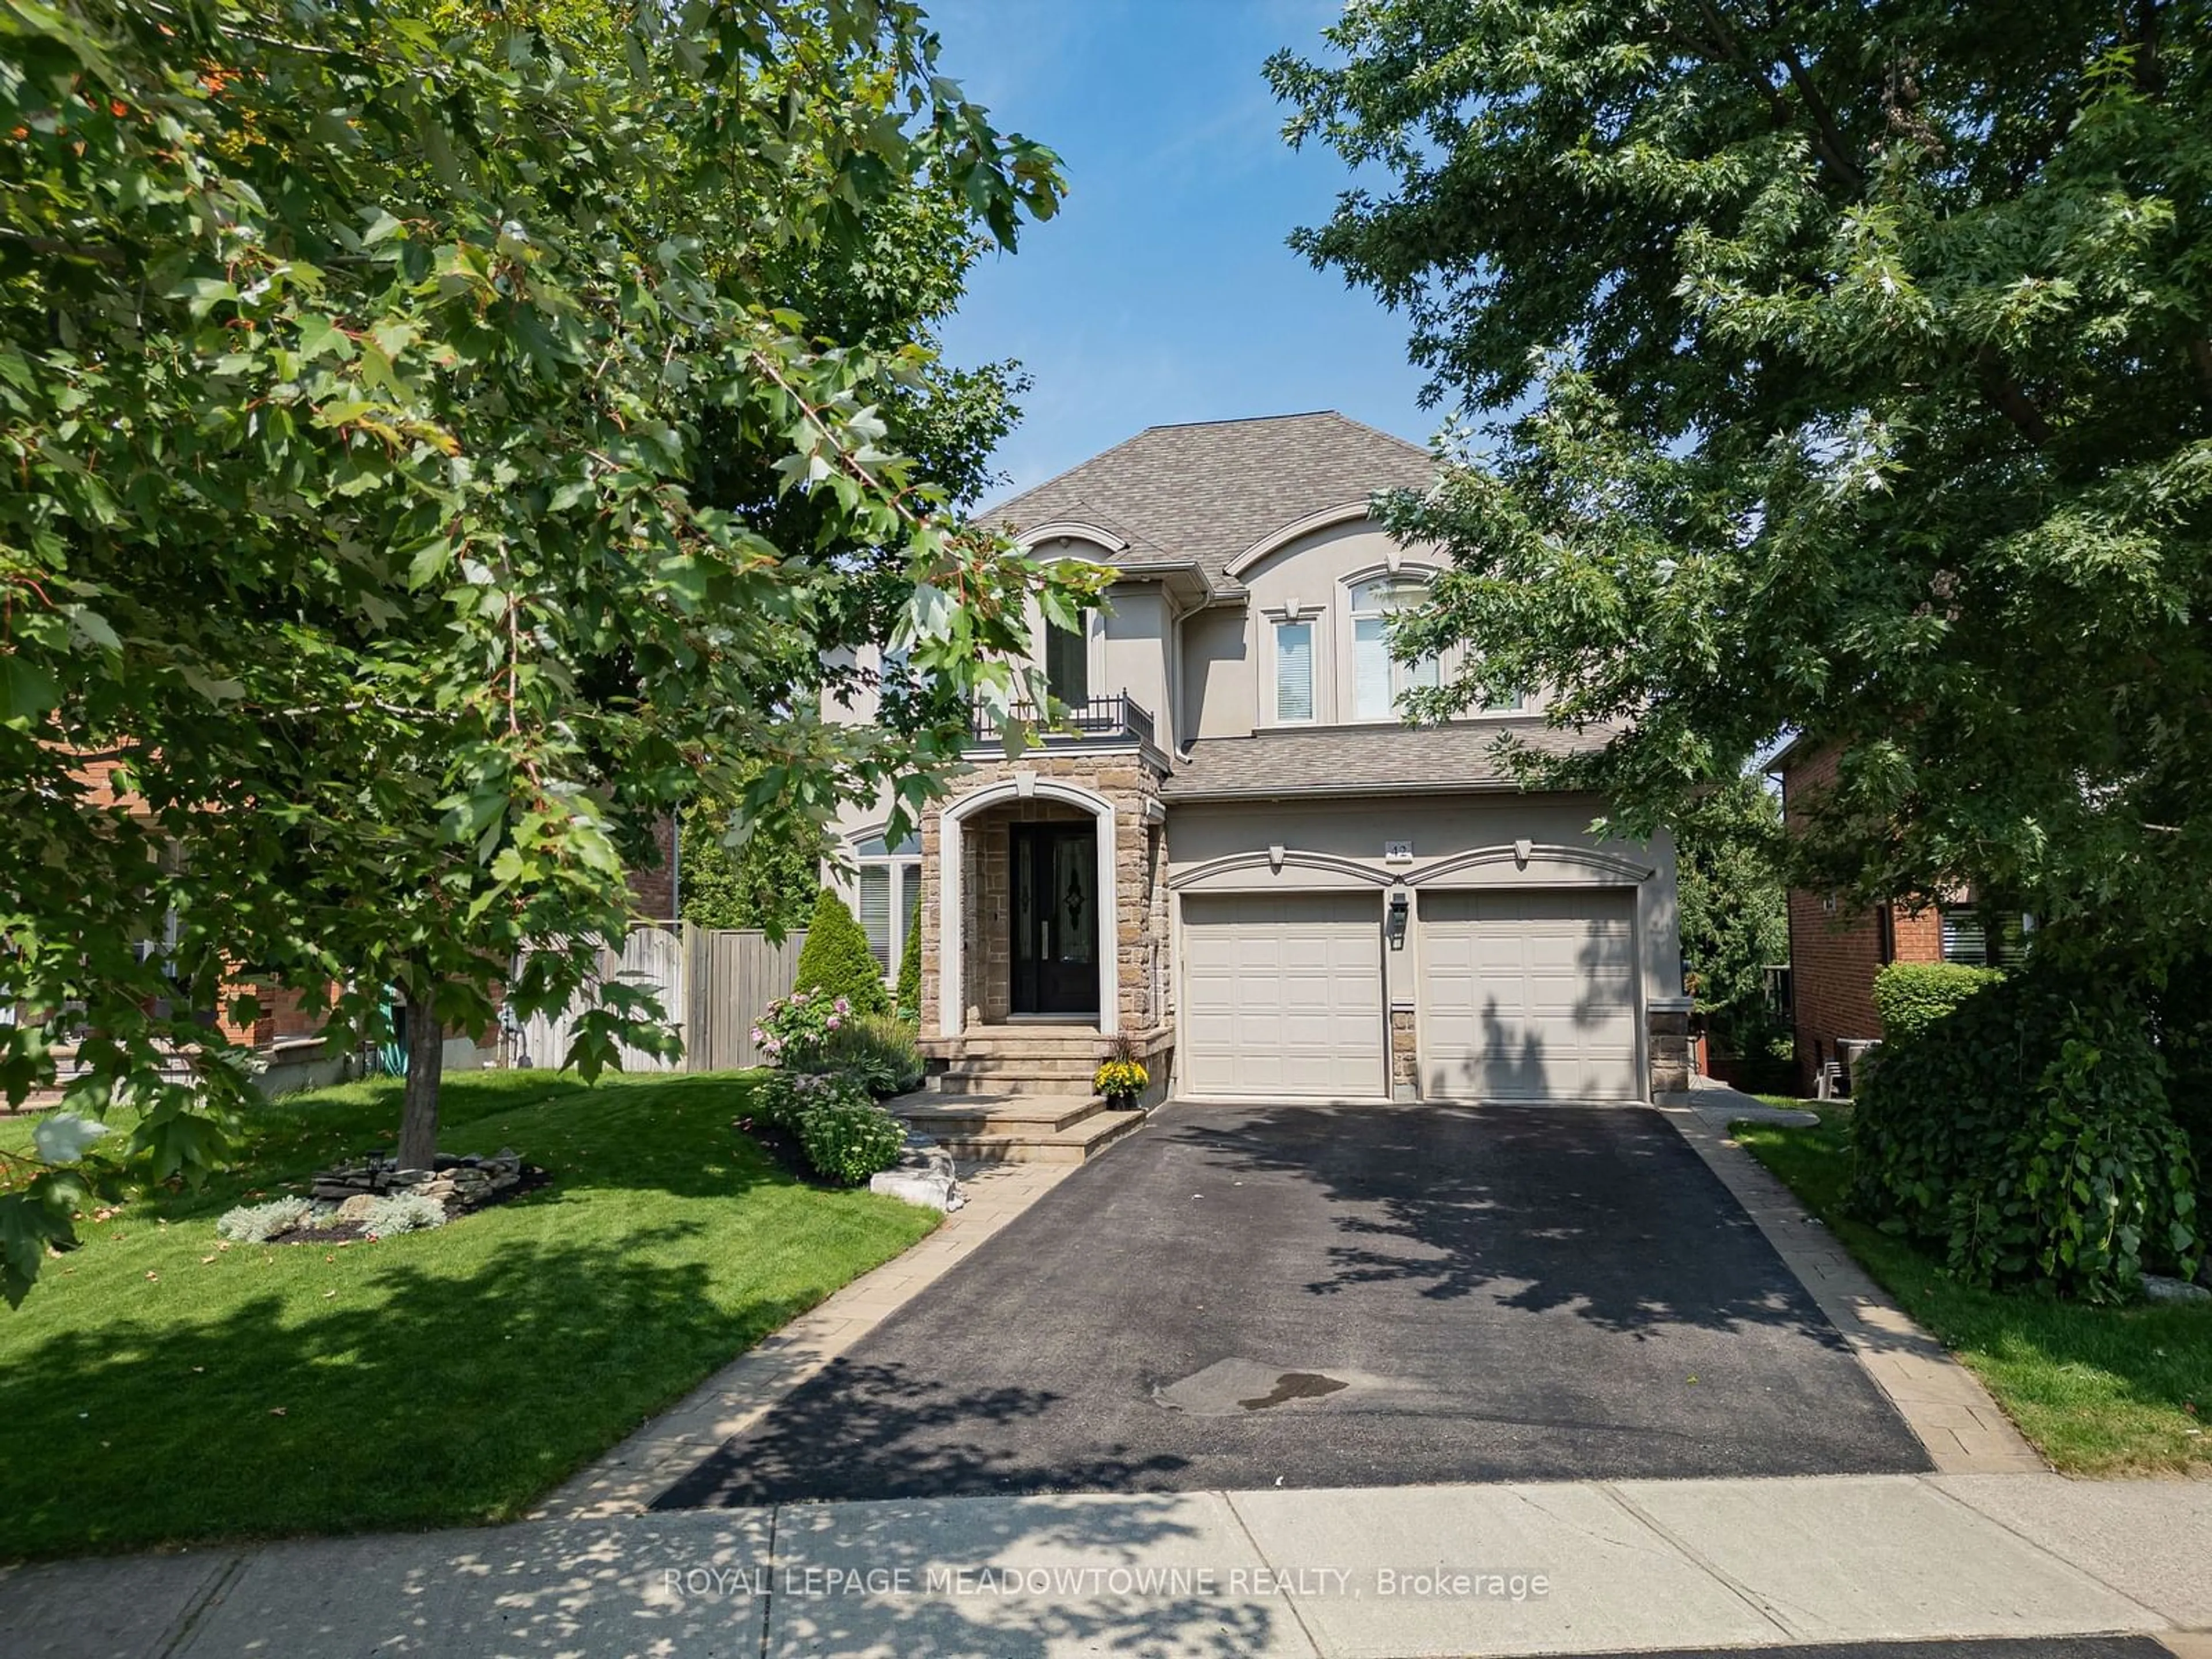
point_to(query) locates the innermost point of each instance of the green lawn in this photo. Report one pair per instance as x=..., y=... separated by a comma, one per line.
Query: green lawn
x=155, y=1389
x=2099, y=1390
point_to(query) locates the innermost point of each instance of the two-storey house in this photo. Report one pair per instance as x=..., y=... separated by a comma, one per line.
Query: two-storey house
x=1243, y=858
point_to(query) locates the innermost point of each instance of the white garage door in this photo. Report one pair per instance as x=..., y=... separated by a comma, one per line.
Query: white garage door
x=1529, y=996
x=1283, y=996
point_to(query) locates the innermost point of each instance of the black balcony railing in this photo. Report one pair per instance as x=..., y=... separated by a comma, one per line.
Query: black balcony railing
x=1118, y=719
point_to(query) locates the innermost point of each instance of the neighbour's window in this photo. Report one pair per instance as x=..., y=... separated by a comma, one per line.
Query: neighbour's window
x=1968, y=937
x=1378, y=680
x=1294, y=670
x=889, y=883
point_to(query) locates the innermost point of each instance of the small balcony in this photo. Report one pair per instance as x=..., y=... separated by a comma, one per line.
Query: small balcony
x=1116, y=722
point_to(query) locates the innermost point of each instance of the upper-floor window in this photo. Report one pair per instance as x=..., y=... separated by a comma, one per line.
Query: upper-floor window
x=1294, y=670
x=1068, y=664
x=1379, y=680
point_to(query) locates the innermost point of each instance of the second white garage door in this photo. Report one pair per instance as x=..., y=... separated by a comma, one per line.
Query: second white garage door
x=1283, y=995
x=1529, y=996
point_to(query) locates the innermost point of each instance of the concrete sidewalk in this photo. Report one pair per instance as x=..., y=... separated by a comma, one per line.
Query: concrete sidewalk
x=1569, y=1568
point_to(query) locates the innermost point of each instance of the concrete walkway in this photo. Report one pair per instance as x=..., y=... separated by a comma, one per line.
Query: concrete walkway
x=1567, y=1568
x=1943, y=1402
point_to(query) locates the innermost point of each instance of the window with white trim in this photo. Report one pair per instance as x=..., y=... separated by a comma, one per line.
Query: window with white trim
x=1380, y=681
x=889, y=881
x=1067, y=662
x=1294, y=670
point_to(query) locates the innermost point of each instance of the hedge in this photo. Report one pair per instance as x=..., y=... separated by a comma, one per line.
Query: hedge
x=1911, y=996
x=2026, y=1133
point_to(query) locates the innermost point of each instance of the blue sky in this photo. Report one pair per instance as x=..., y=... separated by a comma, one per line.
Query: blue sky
x=1162, y=291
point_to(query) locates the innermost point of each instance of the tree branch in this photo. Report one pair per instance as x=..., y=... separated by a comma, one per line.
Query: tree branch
x=1826, y=143
x=1828, y=138
x=2005, y=394
x=61, y=250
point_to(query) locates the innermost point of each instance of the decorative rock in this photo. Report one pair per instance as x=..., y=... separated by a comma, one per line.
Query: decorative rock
x=2158, y=1288
x=933, y=1189
x=357, y=1208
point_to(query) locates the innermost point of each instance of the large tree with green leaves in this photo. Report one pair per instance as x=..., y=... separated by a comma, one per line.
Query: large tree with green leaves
x=1858, y=362
x=1735, y=914
x=421, y=478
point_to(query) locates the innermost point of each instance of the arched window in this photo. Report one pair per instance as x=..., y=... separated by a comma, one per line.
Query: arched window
x=1378, y=680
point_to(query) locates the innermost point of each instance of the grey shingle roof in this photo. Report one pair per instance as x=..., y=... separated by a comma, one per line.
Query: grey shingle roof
x=1208, y=490
x=1357, y=760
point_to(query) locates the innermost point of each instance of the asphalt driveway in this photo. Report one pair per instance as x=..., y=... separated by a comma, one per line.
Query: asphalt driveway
x=1305, y=1296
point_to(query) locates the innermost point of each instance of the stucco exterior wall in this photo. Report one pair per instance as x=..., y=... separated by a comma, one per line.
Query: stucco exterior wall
x=1231, y=845
x=1135, y=634
x=1217, y=675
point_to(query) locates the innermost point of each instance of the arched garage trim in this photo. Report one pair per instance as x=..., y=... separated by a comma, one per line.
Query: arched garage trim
x=1525, y=863
x=1235, y=872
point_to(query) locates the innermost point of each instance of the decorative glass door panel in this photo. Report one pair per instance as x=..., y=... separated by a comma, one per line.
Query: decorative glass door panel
x=1055, y=917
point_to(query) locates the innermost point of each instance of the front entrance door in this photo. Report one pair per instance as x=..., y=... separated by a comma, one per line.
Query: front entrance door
x=1055, y=919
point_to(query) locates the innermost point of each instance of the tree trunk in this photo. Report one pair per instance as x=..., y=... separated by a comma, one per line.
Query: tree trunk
x=426, y=1065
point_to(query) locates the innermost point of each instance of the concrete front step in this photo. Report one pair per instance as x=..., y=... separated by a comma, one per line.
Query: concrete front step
x=1049, y=1063
x=994, y=1114
x=1022, y=1042
x=965, y=1079
x=1017, y=1128
x=1070, y=1145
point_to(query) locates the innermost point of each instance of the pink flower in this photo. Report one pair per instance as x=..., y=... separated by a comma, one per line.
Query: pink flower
x=835, y=1022
x=757, y=1034
x=844, y=1006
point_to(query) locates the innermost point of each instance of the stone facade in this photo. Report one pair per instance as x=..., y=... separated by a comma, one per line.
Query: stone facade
x=1667, y=1038
x=1405, y=1055
x=1134, y=941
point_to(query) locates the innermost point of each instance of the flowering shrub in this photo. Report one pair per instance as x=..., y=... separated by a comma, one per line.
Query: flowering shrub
x=849, y=1143
x=792, y=1030
x=1120, y=1079
x=783, y=1097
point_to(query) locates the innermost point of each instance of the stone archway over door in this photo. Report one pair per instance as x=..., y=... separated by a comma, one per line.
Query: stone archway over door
x=960, y=931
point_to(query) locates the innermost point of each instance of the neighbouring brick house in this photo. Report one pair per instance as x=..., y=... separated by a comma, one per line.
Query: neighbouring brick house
x=286, y=1034
x=1835, y=950
x=1240, y=859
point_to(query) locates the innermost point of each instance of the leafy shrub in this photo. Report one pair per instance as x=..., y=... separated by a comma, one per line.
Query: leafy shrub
x=794, y=1031
x=2026, y=1133
x=849, y=1143
x=403, y=1213
x=2182, y=1006
x=257, y=1224
x=877, y=1049
x=1911, y=996
x=782, y=1098
x=835, y=958
x=907, y=1003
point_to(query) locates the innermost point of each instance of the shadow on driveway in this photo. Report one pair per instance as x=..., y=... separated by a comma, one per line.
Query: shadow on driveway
x=1310, y=1296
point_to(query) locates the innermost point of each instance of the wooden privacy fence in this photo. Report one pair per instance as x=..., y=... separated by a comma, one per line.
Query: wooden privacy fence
x=712, y=981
